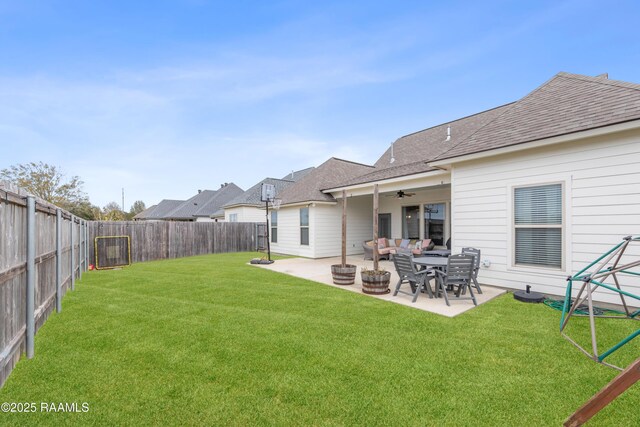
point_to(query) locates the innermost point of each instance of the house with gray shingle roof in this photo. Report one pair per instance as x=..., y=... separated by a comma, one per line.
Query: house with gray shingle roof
x=305, y=224
x=158, y=212
x=541, y=186
x=248, y=206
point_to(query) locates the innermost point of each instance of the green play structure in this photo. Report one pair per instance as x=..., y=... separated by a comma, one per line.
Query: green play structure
x=607, y=272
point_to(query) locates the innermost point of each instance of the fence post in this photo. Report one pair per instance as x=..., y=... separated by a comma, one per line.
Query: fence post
x=58, y=260
x=86, y=248
x=86, y=244
x=73, y=276
x=31, y=274
x=80, y=249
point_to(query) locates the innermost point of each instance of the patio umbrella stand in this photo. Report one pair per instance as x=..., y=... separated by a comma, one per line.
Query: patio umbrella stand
x=528, y=296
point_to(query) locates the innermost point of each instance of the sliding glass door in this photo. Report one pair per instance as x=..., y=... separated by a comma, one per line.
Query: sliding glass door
x=434, y=223
x=411, y=222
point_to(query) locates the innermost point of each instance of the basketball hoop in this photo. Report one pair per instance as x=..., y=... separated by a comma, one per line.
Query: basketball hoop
x=275, y=204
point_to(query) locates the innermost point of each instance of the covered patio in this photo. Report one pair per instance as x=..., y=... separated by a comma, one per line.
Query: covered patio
x=319, y=270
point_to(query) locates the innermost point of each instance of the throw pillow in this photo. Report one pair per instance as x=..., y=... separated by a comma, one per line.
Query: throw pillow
x=382, y=243
x=404, y=243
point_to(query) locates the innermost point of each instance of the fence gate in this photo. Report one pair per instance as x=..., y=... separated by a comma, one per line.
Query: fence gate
x=261, y=234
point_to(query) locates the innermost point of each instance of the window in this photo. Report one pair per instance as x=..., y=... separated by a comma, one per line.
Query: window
x=274, y=226
x=233, y=217
x=538, y=225
x=304, y=226
x=384, y=225
x=411, y=222
x=434, y=217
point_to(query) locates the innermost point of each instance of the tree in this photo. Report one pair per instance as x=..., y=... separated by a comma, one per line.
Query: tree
x=48, y=183
x=137, y=207
x=113, y=212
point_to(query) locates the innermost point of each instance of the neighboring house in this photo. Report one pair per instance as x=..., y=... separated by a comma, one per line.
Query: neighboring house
x=308, y=221
x=186, y=211
x=248, y=207
x=144, y=214
x=542, y=186
x=204, y=204
x=198, y=208
x=159, y=211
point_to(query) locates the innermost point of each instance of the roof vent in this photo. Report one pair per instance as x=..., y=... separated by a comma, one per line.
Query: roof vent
x=199, y=191
x=603, y=76
x=448, y=133
x=393, y=159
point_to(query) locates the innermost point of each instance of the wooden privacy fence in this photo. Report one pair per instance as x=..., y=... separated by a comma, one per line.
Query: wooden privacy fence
x=42, y=251
x=153, y=240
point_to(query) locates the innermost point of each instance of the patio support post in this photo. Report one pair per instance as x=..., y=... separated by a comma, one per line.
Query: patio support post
x=375, y=227
x=344, y=228
x=31, y=275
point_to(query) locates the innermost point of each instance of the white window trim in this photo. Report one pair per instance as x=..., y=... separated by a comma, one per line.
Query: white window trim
x=304, y=226
x=566, y=182
x=273, y=226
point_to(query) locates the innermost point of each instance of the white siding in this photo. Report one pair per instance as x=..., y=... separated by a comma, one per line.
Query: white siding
x=289, y=233
x=327, y=229
x=246, y=214
x=601, y=178
x=204, y=219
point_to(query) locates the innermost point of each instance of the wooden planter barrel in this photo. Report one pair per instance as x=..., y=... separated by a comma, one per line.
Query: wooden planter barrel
x=343, y=275
x=375, y=284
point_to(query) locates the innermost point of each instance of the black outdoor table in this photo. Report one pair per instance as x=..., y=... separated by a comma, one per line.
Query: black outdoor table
x=437, y=252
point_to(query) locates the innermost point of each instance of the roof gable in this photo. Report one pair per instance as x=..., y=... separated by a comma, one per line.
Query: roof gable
x=188, y=209
x=163, y=208
x=253, y=195
x=222, y=196
x=329, y=174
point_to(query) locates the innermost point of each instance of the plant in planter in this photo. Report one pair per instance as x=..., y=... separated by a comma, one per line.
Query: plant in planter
x=376, y=280
x=343, y=273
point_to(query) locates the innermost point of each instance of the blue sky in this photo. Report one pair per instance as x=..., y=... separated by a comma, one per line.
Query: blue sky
x=167, y=97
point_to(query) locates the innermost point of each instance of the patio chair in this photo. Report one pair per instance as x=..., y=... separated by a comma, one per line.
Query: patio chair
x=476, y=266
x=458, y=273
x=417, y=280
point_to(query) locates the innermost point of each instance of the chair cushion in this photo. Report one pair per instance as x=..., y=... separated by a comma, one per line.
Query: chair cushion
x=382, y=243
x=385, y=251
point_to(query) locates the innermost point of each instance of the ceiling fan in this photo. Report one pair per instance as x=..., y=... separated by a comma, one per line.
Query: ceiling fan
x=401, y=194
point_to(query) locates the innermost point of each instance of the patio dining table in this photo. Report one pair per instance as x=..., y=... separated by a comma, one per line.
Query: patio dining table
x=439, y=262
x=437, y=253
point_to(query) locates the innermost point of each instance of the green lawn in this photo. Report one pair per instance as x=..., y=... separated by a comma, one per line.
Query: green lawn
x=210, y=340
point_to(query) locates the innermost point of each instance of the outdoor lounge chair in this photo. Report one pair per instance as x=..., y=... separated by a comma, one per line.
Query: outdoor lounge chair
x=458, y=274
x=417, y=280
x=476, y=266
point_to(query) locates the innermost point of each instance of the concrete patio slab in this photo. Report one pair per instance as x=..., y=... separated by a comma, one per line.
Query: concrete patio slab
x=319, y=270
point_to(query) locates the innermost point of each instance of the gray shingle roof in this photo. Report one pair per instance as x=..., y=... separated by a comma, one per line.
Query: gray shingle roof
x=222, y=197
x=329, y=174
x=145, y=213
x=297, y=175
x=188, y=209
x=164, y=208
x=252, y=196
x=565, y=104
x=412, y=152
